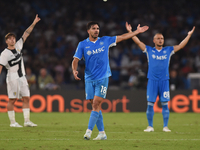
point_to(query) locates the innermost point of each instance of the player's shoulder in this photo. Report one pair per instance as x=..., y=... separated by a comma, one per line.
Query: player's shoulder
x=168, y=48
x=149, y=47
x=104, y=37
x=5, y=52
x=83, y=42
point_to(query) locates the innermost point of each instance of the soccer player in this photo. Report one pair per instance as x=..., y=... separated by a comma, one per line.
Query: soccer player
x=95, y=52
x=17, y=85
x=158, y=74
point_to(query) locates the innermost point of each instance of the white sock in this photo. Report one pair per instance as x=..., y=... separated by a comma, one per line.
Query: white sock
x=26, y=112
x=11, y=116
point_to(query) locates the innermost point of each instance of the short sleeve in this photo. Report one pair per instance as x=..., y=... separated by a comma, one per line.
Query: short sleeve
x=3, y=59
x=171, y=49
x=147, y=49
x=111, y=40
x=19, y=44
x=79, y=51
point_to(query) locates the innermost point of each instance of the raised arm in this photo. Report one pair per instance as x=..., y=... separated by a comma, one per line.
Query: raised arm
x=131, y=34
x=141, y=45
x=30, y=28
x=74, y=68
x=185, y=41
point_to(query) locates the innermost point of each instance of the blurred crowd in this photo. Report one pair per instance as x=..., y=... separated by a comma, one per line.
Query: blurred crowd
x=48, y=51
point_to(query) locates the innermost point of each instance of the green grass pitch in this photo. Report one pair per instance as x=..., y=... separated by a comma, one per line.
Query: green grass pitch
x=64, y=131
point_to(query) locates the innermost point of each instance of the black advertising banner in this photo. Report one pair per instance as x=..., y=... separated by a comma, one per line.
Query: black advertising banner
x=116, y=101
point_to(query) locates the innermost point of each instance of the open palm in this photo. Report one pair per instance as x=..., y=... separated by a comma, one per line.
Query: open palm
x=142, y=29
x=128, y=27
x=191, y=32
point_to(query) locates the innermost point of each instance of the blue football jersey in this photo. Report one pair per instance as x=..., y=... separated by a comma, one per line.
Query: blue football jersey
x=96, y=56
x=158, y=62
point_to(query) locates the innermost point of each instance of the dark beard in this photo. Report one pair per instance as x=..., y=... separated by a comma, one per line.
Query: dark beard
x=159, y=45
x=94, y=37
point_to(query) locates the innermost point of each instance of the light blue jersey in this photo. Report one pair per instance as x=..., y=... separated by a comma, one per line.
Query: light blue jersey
x=158, y=62
x=96, y=57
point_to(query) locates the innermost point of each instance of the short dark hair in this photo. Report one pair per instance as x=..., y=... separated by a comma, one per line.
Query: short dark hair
x=9, y=35
x=91, y=23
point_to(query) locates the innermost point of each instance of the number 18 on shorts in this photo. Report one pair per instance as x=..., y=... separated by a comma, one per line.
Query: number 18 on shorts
x=96, y=88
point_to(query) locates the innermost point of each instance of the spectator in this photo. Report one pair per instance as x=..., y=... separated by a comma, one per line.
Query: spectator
x=31, y=78
x=58, y=34
x=174, y=80
x=45, y=81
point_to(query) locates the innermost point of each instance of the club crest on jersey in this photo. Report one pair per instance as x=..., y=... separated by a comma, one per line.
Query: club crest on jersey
x=164, y=52
x=101, y=43
x=14, y=93
x=89, y=53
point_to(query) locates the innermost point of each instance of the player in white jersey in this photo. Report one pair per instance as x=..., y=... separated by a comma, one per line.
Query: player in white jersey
x=17, y=86
x=158, y=74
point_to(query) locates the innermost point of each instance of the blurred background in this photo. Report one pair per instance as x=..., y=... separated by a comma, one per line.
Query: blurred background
x=48, y=51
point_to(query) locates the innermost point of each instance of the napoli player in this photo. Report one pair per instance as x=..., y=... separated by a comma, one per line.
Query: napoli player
x=158, y=74
x=95, y=51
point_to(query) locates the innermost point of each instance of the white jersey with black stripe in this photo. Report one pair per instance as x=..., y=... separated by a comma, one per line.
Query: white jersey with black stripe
x=13, y=61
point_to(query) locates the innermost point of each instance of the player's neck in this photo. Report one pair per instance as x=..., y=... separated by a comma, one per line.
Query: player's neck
x=158, y=47
x=11, y=47
x=93, y=39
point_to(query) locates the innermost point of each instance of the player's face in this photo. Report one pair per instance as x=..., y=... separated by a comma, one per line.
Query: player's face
x=94, y=31
x=11, y=41
x=158, y=40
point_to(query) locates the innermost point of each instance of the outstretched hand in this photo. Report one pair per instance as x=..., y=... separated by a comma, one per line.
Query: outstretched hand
x=128, y=27
x=191, y=32
x=37, y=19
x=75, y=73
x=142, y=29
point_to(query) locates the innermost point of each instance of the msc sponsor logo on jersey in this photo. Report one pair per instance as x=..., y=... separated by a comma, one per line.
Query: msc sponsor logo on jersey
x=159, y=57
x=99, y=50
x=89, y=53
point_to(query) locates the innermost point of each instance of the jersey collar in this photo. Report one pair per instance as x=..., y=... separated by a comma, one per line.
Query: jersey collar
x=158, y=50
x=88, y=40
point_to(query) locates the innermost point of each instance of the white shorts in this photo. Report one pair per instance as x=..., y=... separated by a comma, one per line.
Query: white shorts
x=18, y=88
